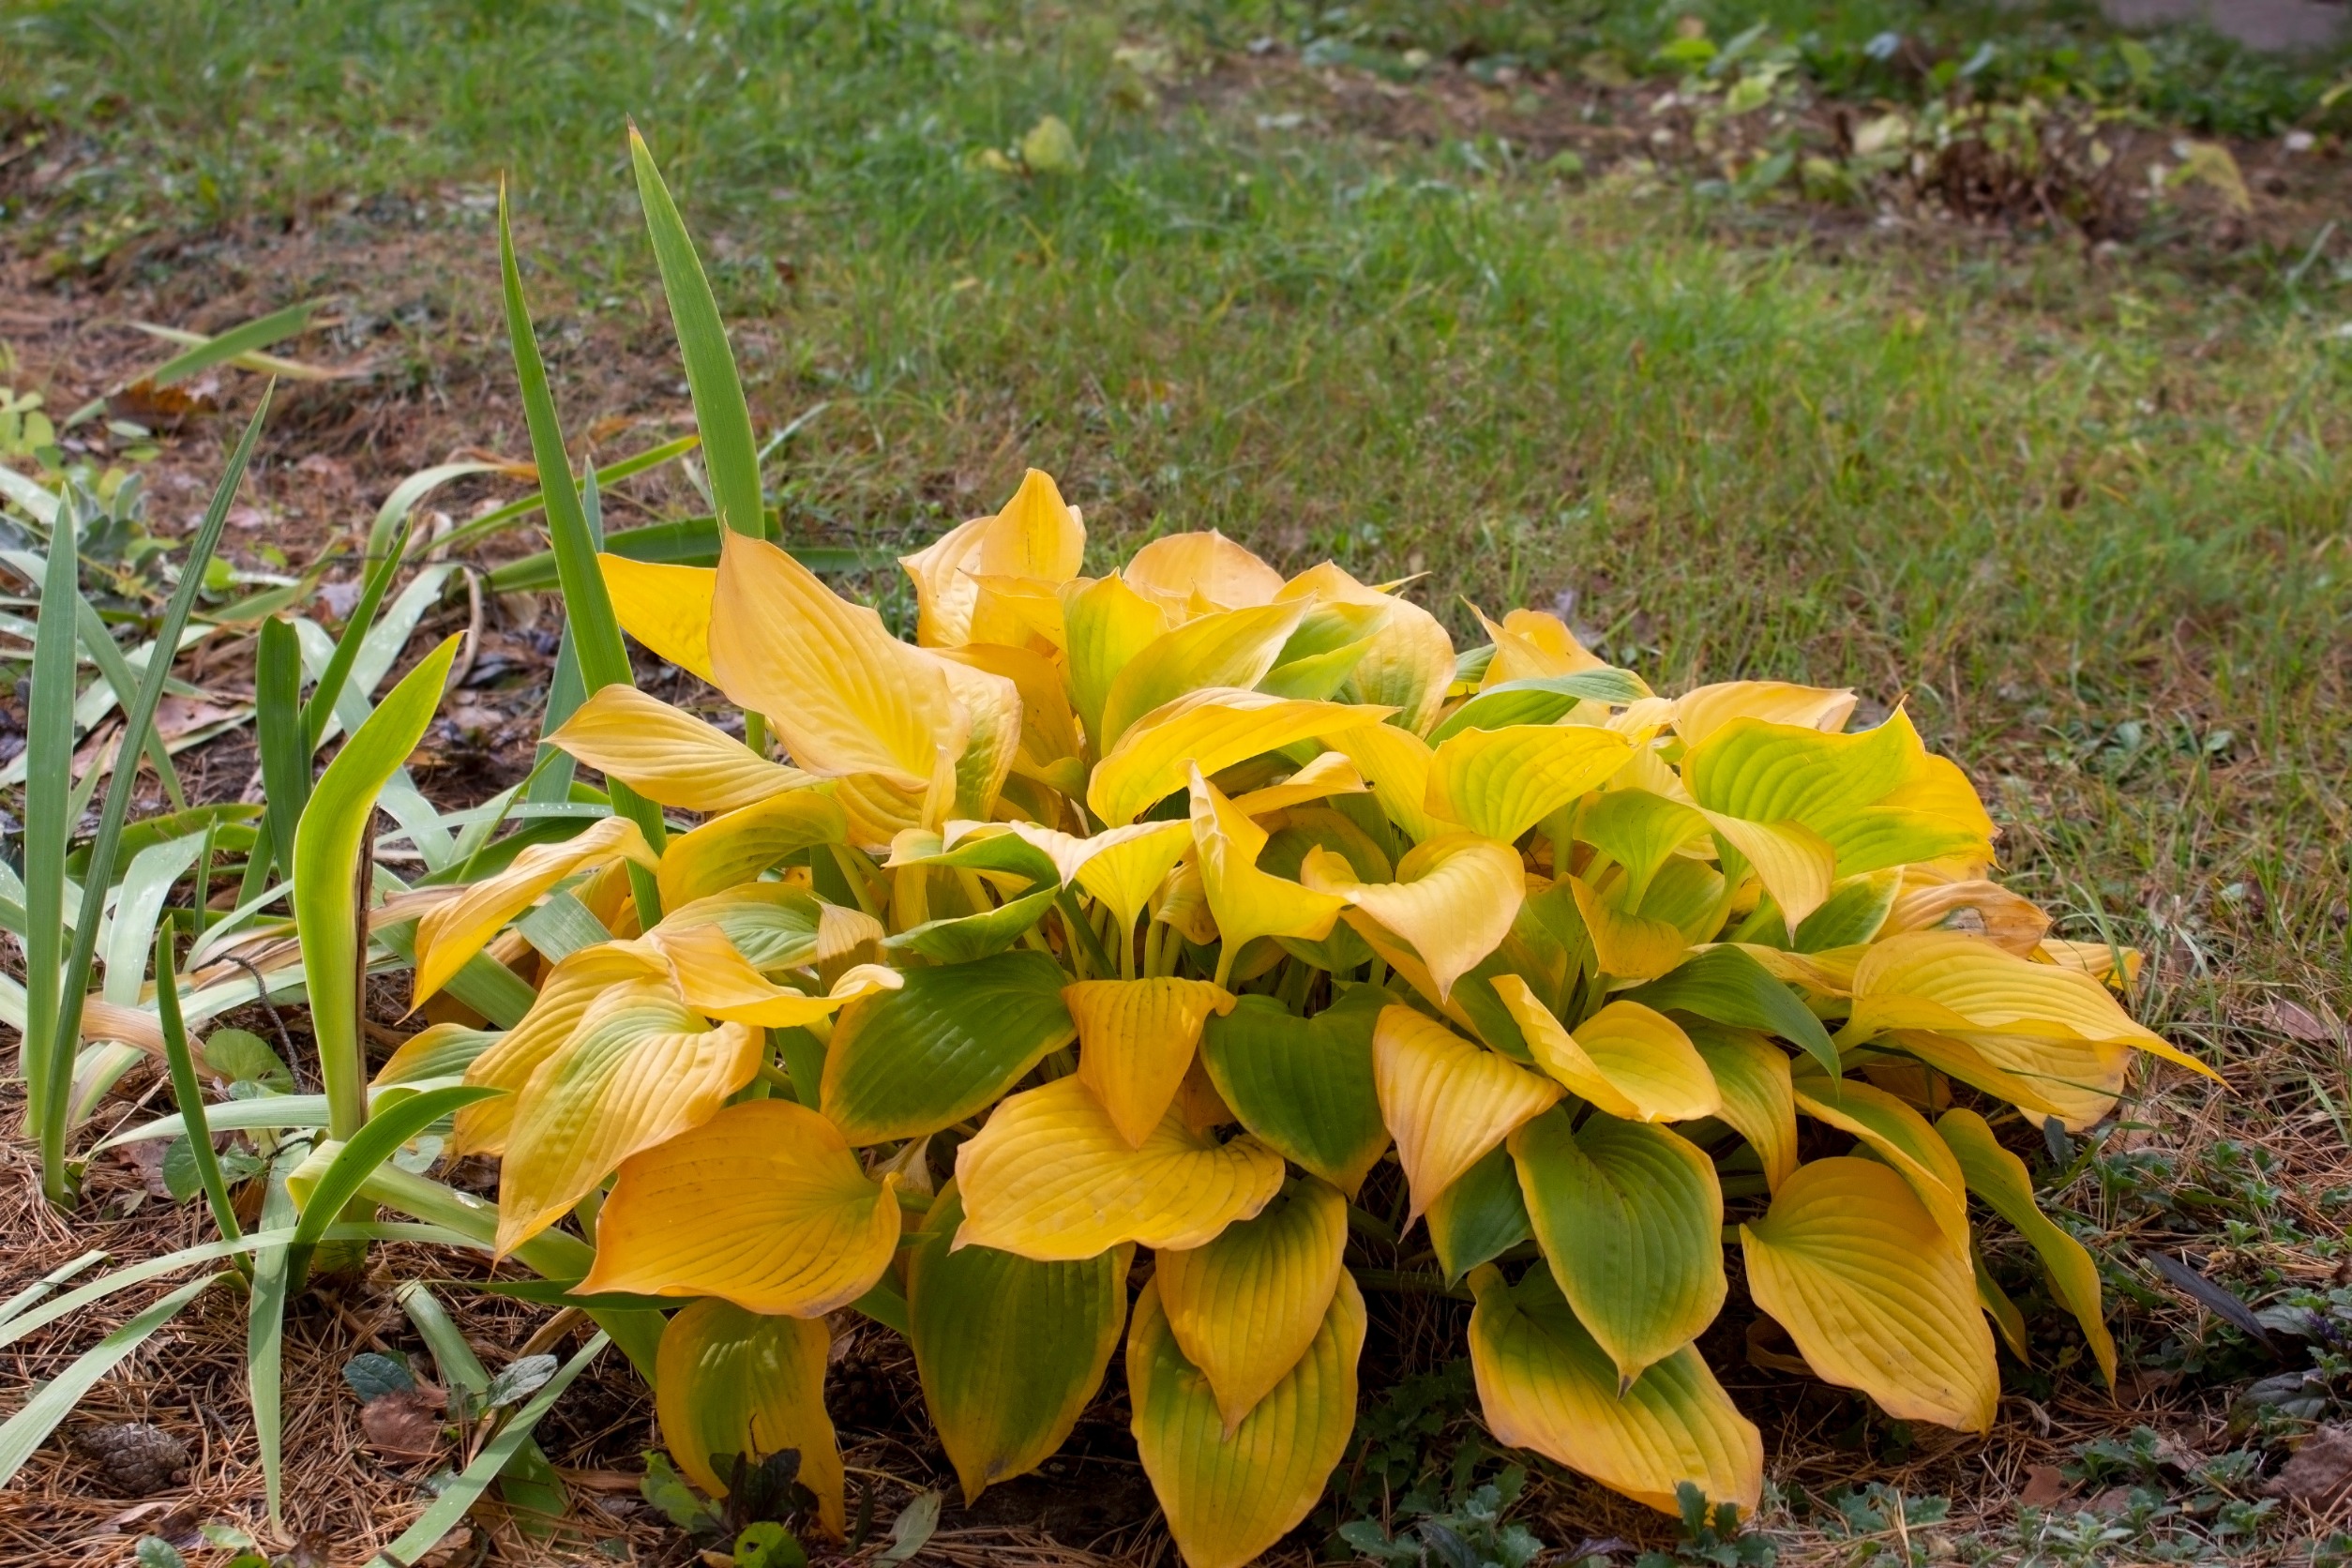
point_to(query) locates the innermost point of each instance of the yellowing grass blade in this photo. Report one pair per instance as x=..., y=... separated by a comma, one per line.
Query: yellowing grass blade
x=1501, y=782
x=1453, y=899
x=1631, y=1220
x=1445, y=1100
x=1998, y=1177
x=638, y=1070
x=1050, y=1178
x=1628, y=1060
x=762, y=1204
x=1228, y=1498
x=669, y=756
x=1010, y=1351
x=1246, y=1307
x=1897, y=1135
x=1874, y=1294
x=1136, y=1042
x=730, y=1382
x=1545, y=1384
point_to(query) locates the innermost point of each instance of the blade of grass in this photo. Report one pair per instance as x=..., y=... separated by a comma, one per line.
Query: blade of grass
x=394, y=513
x=265, y=1335
x=186, y=1091
x=449, y=1508
x=515, y=511
x=116, y=669
x=26, y=1430
x=604, y=660
x=280, y=736
x=326, y=860
x=719, y=409
x=32, y=1293
x=137, y=720
x=258, y=333
x=47, y=825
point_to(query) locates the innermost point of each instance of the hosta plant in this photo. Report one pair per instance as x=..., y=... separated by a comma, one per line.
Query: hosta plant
x=1122, y=927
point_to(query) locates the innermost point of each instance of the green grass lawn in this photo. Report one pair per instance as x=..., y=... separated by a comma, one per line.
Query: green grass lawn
x=2085, y=510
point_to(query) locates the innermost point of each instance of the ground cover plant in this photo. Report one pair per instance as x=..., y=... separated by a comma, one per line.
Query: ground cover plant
x=2107, y=798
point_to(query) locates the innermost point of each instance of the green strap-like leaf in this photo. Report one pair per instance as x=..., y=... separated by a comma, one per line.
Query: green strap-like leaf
x=258, y=333
x=30, y=1426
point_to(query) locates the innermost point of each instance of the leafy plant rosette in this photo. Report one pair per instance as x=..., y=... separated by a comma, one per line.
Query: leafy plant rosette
x=1133, y=925
x=1160, y=908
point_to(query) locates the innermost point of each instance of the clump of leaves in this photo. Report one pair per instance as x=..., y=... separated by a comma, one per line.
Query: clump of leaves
x=1469, y=1531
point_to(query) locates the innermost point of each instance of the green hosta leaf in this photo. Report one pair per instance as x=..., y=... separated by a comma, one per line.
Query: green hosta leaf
x=965, y=938
x=1725, y=986
x=942, y=1047
x=1010, y=1351
x=1480, y=1217
x=1540, y=700
x=1303, y=1085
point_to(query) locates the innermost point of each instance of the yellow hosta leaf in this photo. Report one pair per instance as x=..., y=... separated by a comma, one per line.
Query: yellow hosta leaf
x=1627, y=1060
x=571, y=986
x=1627, y=945
x=1637, y=829
x=1531, y=643
x=454, y=930
x=1230, y=1497
x=1395, y=763
x=1897, y=1135
x=1176, y=568
x=1136, y=1042
x=719, y=982
x=991, y=706
x=1876, y=1295
x=2078, y=1081
x=764, y=1204
x=1406, y=664
x=1106, y=624
x=1453, y=899
x=2119, y=967
x=1998, y=1177
x=1248, y=902
x=1037, y=535
x=1501, y=782
x=1945, y=980
x=845, y=696
x=730, y=1382
x=1630, y=1218
x=1226, y=648
x=667, y=756
x=1700, y=713
x=734, y=849
x=1795, y=863
x=666, y=607
x=637, y=1070
x=1049, y=730
x=1210, y=730
x=1760, y=1100
x=1127, y=866
x=1446, y=1102
x=1930, y=902
x=1050, y=1178
x=1329, y=773
x=1246, y=1307
x=1546, y=1385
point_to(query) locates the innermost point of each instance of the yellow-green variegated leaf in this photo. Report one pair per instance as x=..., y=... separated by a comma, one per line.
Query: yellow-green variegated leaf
x=1628, y=1060
x=991, y=708
x=1303, y=1085
x=1897, y=1135
x=1545, y=1384
x=1211, y=730
x=1226, y=648
x=1481, y=1216
x=1246, y=901
x=1329, y=773
x=1700, y=713
x=1122, y=867
x=1050, y=1178
x=1136, y=1042
x=943, y=1045
x=454, y=930
x=1244, y=1307
x=1530, y=645
x=1445, y=1100
x=729, y=851
x=719, y=982
x=1759, y=1100
x=776, y=926
x=1501, y=782
x=1796, y=865
x=1998, y=1177
x=1228, y=1496
x=439, y=1050
x=1453, y=899
x=1395, y=763
x=1876, y=1295
x=1406, y=664
x=669, y=756
x=666, y=607
x=730, y=1382
x=764, y=1204
x=1854, y=912
x=1640, y=829
x=1107, y=624
x=1629, y=1217
x=2078, y=1081
x=638, y=1070
x=571, y=986
x=844, y=695
x=1010, y=1351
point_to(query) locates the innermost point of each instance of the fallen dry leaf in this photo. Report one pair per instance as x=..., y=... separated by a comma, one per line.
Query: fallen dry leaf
x=2299, y=1022
x=2045, y=1484
x=403, y=1425
x=2318, y=1473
